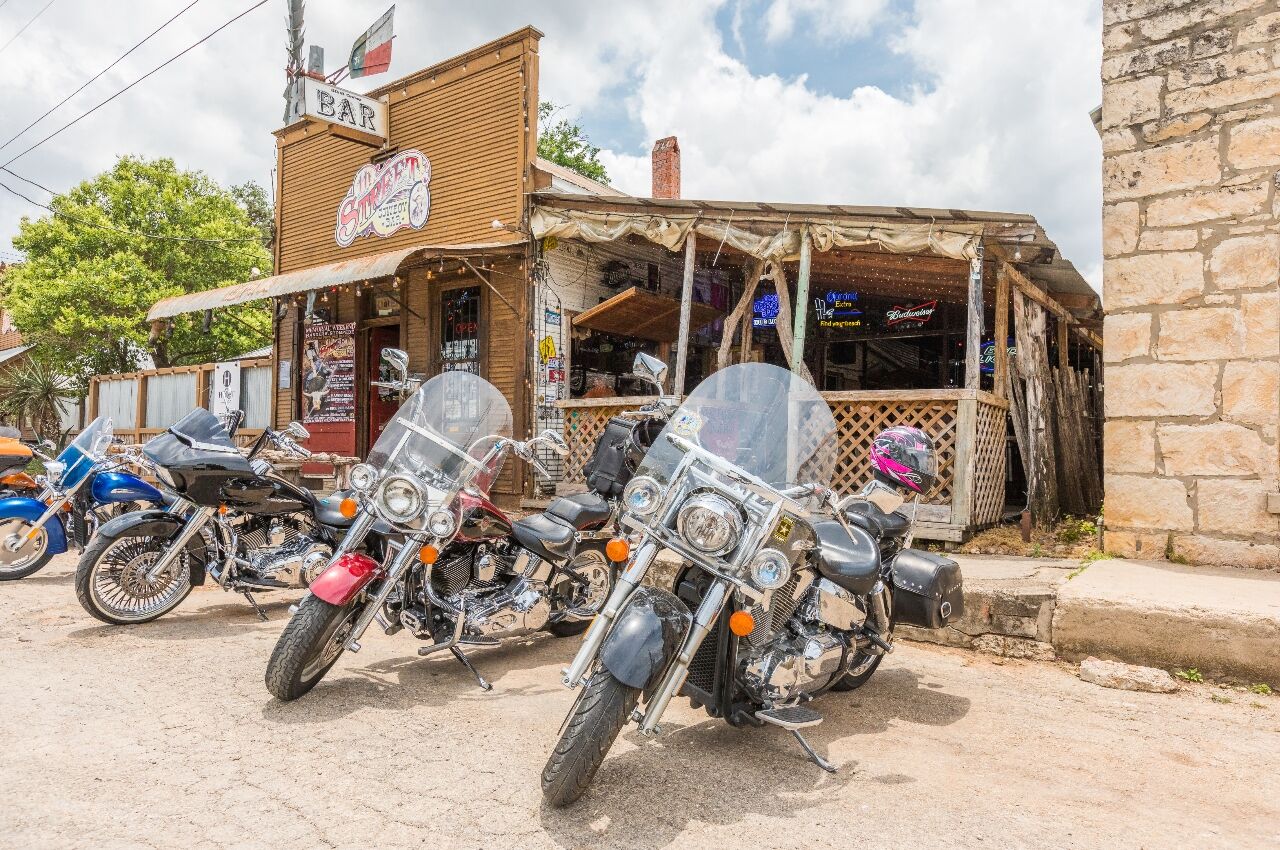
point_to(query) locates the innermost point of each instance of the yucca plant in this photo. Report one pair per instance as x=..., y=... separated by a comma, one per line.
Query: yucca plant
x=34, y=393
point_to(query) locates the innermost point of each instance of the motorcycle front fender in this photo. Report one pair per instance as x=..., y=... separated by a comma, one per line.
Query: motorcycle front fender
x=154, y=522
x=122, y=487
x=22, y=507
x=645, y=637
x=343, y=580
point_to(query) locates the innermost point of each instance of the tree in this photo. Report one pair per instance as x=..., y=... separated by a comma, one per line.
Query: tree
x=566, y=144
x=115, y=245
x=34, y=392
x=253, y=199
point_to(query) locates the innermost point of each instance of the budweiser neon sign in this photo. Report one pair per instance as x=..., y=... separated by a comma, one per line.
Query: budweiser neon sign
x=386, y=197
x=919, y=314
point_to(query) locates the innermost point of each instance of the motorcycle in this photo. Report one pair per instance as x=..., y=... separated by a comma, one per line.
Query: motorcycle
x=82, y=488
x=785, y=592
x=455, y=571
x=15, y=455
x=234, y=521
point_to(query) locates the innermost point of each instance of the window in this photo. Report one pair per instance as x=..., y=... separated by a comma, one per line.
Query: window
x=460, y=330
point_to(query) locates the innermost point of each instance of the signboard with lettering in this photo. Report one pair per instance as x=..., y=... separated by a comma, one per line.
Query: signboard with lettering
x=225, y=389
x=765, y=311
x=987, y=357
x=838, y=310
x=910, y=317
x=386, y=197
x=328, y=373
x=344, y=108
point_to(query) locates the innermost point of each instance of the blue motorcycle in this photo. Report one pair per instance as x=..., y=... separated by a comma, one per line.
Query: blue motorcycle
x=81, y=488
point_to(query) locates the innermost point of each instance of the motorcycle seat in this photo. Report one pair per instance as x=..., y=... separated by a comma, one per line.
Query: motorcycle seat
x=582, y=510
x=876, y=522
x=328, y=511
x=545, y=536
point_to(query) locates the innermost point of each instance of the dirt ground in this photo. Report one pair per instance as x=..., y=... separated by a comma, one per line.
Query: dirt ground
x=164, y=736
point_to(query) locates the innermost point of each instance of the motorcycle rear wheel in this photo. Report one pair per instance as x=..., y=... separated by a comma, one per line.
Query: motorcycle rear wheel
x=111, y=585
x=594, y=564
x=594, y=722
x=309, y=646
x=29, y=556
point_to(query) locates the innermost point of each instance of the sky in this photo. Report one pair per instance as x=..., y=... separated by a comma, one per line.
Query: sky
x=975, y=104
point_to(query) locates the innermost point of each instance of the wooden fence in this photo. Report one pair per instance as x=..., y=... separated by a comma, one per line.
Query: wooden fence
x=967, y=426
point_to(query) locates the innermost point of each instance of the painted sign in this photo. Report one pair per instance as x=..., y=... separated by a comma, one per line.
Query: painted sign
x=555, y=370
x=344, y=108
x=226, y=389
x=910, y=317
x=765, y=311
x=546, y=349
x=987, y=357
x=386, y=197
x=838, y=310
x=551, y=317
x=328, y=373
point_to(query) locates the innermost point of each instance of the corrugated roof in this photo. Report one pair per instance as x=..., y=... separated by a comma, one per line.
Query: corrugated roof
x=317, y=277
x=10, y=353
x=586, y=184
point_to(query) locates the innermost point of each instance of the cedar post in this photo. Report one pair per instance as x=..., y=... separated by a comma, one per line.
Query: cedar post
x=1064, y=344
x=973, y=336
x=1001, y=375
x=140, y=411
x=802, y=296
x=686, y=305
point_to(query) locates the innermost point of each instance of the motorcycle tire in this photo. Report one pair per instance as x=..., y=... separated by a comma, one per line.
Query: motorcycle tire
x=853, y=681
x=305, y=651
x=33, y=566
x=597, y=717
x=106, y=559
x=568, y=628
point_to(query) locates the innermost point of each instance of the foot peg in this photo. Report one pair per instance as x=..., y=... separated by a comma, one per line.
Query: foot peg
x=793, y=718
x=884, y=646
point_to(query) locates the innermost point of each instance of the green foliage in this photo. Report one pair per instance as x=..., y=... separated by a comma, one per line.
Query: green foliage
x=1261, y=689
x=1191, y=674
x=253, y=199
x=1097, y=555
x=91, y=275
x=32, y=393
x=1074, y=529
x=566, y=144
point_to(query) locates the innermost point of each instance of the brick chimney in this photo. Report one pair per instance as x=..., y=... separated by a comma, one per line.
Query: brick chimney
x=666, y=168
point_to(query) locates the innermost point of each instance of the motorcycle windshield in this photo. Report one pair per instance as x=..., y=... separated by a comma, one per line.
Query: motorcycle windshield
x=765, y=420
x=89, y=447
x=438, y=433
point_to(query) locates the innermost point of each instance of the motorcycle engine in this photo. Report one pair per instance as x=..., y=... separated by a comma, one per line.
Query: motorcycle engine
x=283, y=551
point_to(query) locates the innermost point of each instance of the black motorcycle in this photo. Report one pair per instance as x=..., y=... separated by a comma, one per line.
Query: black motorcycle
x=234, y=521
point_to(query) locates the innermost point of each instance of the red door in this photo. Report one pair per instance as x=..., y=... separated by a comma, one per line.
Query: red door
x=383, y=403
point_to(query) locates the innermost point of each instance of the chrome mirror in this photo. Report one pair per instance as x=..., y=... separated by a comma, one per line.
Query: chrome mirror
x=397, y=361
x=297, y=430
x=651, y=369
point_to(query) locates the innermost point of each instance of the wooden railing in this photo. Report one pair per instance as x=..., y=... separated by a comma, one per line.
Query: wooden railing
x=967, y=427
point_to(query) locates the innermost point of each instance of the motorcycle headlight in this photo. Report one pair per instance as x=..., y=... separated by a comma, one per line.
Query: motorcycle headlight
x=401, y=498
x=641, y=495
x=770, y=569
x=709, y=524
x=441, y=523
x=363, y=477
x=54, y=469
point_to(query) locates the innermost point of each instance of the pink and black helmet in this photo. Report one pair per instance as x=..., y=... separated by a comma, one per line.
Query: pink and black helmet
x=903, y=456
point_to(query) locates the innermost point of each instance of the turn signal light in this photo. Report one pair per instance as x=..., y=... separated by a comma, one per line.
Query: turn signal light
x=741, y=623
x=617, y=549
x=66, y=507
x=428, y=554
x=348, y=508
x=222, y=509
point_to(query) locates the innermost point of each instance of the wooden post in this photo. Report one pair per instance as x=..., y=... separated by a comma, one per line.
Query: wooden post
x=802, y=296
x=140, y=412
x=962, y=485
x=1064, y=344
x=686, y=305
x=973, y=336
x=1001, y=374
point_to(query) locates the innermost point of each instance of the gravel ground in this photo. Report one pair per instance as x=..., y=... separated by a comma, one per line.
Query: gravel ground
x=163, y=735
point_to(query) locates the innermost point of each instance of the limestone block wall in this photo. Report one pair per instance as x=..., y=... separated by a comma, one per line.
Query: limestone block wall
x=1191, y=140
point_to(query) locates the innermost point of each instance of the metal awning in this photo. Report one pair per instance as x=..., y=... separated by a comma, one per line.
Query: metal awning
x=369, y=267
x=647, y=315
x=10, y=353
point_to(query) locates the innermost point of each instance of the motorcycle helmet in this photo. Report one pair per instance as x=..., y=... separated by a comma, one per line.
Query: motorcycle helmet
x=905, y=457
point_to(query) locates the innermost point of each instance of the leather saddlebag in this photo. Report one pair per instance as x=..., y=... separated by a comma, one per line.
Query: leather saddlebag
x=927, y=589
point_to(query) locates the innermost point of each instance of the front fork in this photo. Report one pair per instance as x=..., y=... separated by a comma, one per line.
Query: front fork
x=401, y=562
x=195, y=522
x=54, y=507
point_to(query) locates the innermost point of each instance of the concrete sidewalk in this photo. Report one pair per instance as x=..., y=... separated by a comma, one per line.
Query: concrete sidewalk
x=1224, y=622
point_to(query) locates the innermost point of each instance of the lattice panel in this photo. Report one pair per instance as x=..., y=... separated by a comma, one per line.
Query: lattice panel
x=858, y=423
x=582, y=427
x=988, y=466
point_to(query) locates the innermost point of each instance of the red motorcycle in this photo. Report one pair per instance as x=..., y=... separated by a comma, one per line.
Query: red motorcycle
x=454, y=570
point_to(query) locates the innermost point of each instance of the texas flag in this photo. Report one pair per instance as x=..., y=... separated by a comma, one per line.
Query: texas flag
x=371, y=54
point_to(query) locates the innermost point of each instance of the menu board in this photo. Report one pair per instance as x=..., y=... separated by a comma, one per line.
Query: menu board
x=328, y=373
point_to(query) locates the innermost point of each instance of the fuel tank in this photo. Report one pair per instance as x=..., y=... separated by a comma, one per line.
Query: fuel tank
x=481, y=519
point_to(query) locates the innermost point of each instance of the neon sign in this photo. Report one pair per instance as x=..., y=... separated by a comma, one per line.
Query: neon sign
x=913, y=316
x=838, y=310
x=765, y=311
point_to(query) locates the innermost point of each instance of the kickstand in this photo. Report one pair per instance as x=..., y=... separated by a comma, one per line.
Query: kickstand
x=466, y=662
x=262, y=615
x=813, y=756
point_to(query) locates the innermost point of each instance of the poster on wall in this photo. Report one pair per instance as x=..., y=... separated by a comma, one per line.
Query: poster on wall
x=328, y=373
x=226, y=389
x=386, y=197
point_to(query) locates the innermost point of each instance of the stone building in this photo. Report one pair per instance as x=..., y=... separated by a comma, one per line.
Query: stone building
x=1191, y=139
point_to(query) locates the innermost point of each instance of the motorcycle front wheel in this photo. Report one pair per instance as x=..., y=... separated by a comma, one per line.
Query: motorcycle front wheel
x=594, y=722
x=112, y=584
x=309, y=646
x=20, y=555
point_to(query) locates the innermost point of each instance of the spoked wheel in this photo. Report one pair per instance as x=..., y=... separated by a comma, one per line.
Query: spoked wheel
x=584, y=601
x=22, y=553
x=310, y=644
x=594, y=722
x=113, y=584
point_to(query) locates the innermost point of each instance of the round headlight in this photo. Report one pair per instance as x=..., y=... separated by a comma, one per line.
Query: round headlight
x=363, y=477
x=709, y=524
x=770, y=569
x=400, y=498
x=641, y=496
x=441, y=522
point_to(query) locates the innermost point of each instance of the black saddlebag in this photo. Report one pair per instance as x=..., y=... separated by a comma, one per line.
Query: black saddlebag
x=927, y=589
x=607, y=472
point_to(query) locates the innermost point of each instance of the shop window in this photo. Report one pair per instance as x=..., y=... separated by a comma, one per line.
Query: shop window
x=460, y=330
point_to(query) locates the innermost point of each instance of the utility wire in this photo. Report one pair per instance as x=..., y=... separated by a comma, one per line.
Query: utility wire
x=95, y=76
x=103, y=103
x=27, y=24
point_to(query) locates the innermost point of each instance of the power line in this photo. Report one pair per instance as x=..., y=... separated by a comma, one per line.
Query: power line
x=95, y=76
x=135, y=82
x=27, y=24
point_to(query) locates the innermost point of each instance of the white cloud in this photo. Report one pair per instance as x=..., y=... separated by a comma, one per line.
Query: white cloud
x=828, y=19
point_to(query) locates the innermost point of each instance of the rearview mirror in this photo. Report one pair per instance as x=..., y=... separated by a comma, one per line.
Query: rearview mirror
x=651, y=369
x=297, y=430
x=398, y=362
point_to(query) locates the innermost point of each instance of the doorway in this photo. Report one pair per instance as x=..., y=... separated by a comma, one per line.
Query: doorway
x=383, y=403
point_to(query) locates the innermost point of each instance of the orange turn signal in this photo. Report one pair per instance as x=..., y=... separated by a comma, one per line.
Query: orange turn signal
x=428, y=554
x=66, y=507
x=617, y=549
x=348, y=508
x=222, y=509
x=741, y=623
